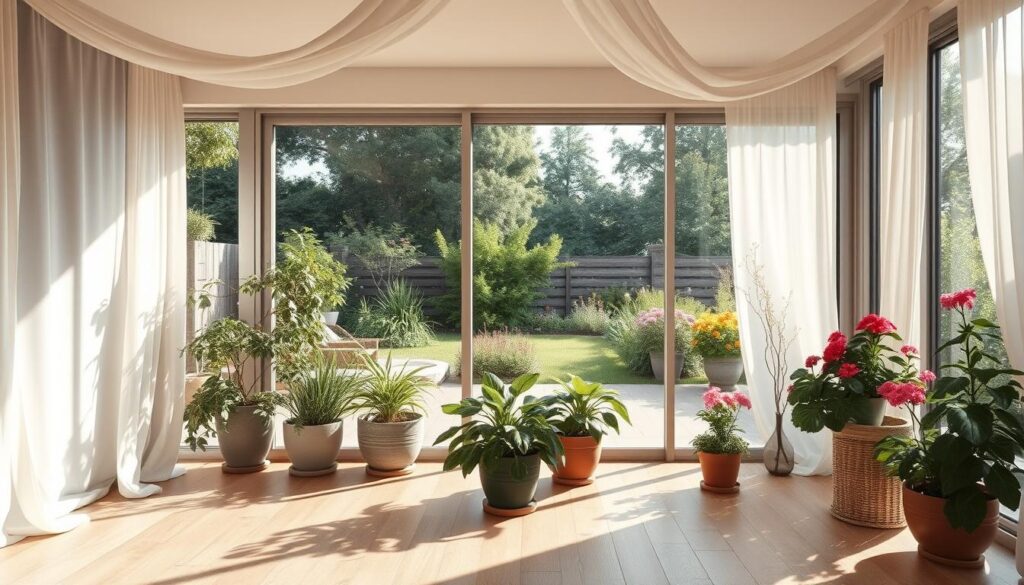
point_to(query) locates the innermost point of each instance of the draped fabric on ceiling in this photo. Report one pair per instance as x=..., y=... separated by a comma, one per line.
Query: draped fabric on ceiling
x=992, y=78
x=631, y=35
x=782, y=205
x=371, y=26
x=903, y=198
x=9, y=181
x=97, y=381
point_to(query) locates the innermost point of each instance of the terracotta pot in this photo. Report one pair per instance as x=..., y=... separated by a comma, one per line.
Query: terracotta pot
x=927, y=522
x=720, y=470
x=582, y=454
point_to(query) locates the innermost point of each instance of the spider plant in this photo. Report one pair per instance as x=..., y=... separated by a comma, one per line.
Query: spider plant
x=389, y=394
x=321, y=395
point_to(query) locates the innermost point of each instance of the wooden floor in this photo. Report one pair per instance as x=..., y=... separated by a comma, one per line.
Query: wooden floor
x=641, y=523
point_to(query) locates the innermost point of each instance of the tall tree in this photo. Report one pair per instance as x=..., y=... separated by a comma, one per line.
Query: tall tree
x=506, y=179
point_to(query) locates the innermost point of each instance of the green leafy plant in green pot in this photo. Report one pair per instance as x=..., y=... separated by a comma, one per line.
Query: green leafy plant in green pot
x=317, y=401
x=235, y=404
x=584, y=412
x=959, y=464
x=510, y=433
x=390, y=428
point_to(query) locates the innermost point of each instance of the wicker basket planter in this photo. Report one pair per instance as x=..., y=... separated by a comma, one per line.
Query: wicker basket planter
x=861, y=492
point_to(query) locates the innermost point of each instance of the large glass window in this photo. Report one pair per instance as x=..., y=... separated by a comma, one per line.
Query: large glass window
x=567, y=259
x=383, y=199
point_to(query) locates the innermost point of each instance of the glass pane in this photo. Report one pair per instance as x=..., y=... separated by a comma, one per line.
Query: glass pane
x=704, y=284
x=211, y=169
x=567, y=247
x=381, y=198
x=960, y=261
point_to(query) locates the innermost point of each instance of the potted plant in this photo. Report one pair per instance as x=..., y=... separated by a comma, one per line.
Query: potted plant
x=234, y=404
x=509, y=436
x=841, y=385
x=959, y=464
x=721, y=448
x=584, y=412
x=390, y=429
x=231, y=404
x=317, y=401
x=716, y=337
x=650, y=326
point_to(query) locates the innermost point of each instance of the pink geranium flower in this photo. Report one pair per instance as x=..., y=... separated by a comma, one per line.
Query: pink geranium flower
x=959, y=299
x=908, y=350
x=926, y=376
x=876, y=324
x=712, y=397
x=900, y=393
x=848, y=370
x=743, y=400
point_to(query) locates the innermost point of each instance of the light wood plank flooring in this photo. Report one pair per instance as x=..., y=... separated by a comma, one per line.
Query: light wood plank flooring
x=640, y=523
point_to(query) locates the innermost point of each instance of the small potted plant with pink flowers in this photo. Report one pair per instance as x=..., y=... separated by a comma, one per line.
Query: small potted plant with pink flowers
x=721, y=448
x=960, y=462
x=650, y=326
x=844, y=384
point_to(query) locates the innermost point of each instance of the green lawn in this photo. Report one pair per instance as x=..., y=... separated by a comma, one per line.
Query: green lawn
x=589, y=357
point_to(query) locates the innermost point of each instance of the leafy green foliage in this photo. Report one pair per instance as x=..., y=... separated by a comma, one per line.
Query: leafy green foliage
x=384, y=252
x=199, y=226
x=395, y=317
x=209, y=145
x=971, y=435
x=506, y=274
x=321, y=395
x=586, y=409
x=506, y=422
x=504, y=354
x=229, y=350
x=391, y=394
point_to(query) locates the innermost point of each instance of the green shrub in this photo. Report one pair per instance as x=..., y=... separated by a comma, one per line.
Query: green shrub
x=544, y=323
x=588, y=317
x=384, y=252
x=506, y=274
x=501, y=353
x=614, y=298
x=395, y=316
x=634, y=343
x=725, y=297
x=199, y=227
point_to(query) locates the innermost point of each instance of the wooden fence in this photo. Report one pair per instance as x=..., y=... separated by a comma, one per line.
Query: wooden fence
x=695, y=277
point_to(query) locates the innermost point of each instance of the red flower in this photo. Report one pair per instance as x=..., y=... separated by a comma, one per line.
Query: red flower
x=963, y=299
x=835, y=349
x=836, y=335
x=909, y=350
x=876, y=324
x=848, y=370
x=811, y=361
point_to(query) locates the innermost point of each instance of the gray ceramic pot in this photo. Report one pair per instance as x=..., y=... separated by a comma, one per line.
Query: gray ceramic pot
x=723, y=372
x=658, y=365
x=875, y=414
x=244, y=438
x=390, y=446
x=313, y=447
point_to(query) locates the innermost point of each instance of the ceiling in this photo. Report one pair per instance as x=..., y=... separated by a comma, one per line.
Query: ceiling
x=490, y=33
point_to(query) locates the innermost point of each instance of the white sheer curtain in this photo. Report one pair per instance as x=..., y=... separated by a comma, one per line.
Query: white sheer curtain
x=782, y=202
x=903, y=196
x=631, y=35
x=9, y=182
x=992, y=77
x=371, y=26
x=99, y=318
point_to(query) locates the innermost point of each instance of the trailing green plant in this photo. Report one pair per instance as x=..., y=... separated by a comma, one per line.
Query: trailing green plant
x=964, y=448
x=588, y=317
x=321, y=395
x=506, y=274
x=230, y=350
x=390, y=394
x=506, y=422
x=384, y=251
x=395, y=317
x=199, y=226
x=505, y=354
x=585, y=409
x=721, y=412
